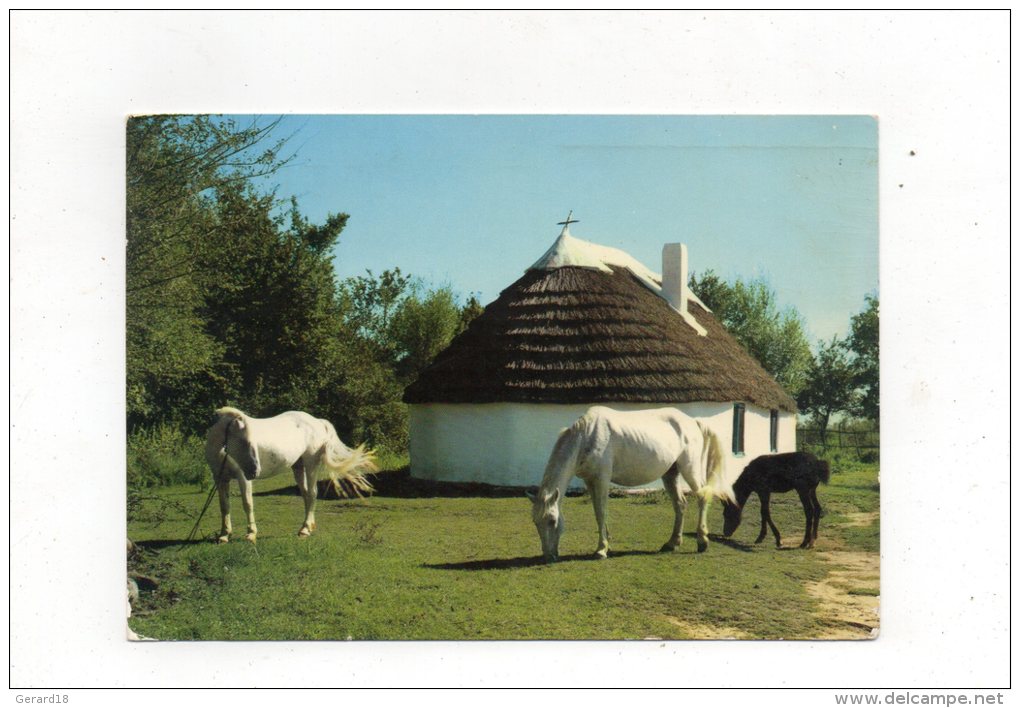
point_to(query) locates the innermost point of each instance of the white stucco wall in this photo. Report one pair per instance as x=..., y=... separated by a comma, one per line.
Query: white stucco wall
x=508, y=444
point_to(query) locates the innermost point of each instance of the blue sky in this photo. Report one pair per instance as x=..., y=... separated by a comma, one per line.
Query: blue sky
x=472, y=201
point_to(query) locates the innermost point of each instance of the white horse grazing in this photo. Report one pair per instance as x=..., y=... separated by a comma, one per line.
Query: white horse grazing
x=631, y=449
x=245, y=448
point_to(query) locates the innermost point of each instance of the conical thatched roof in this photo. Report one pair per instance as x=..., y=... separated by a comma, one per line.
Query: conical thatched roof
x=585, y=334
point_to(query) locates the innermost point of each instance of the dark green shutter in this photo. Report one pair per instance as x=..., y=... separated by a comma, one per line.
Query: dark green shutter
x=774, y=430
x=738, y=428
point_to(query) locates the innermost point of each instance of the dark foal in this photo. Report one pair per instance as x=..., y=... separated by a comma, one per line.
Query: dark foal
x=779, y=473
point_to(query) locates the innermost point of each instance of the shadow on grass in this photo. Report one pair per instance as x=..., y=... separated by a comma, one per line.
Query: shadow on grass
x=159, y=544
x=871, y=487
x=399, y=484
x=752, y=547
x=493, y=564
x=291, y=491
x=528, y=561
x=729, y=543
x=531, y=561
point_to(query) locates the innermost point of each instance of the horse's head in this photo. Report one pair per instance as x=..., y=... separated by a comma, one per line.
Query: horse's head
x=242, y=448
x=731, y=517
x=545, y=512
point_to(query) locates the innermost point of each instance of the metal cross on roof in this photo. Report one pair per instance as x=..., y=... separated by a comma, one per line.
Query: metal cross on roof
x=568, y=221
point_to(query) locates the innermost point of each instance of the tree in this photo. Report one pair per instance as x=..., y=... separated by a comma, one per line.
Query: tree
x=271, y=300
x=393, y=327
x=472, y=308
x=361, y=394
x=423, y=325
x=175, y=166
x=749, y=312
x=863, y=342
x=829, y=388
x=370, y=302
x=230, y=297
x=407, y=322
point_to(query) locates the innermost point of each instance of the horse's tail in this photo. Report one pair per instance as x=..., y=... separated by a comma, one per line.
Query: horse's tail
x=822, y=470
x=715, y=466
x=347, y=467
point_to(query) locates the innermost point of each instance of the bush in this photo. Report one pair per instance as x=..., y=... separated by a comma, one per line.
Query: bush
x=869, y=456
x=164, y=455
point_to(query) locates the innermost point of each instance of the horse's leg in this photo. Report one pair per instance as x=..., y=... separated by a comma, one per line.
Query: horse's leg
x=671, y=483
x=249, y=508
x=818, y=515
x=309, y=490
x=599, y=488
x=809, y=516
x=763, y=502
x=703, y=500
x=767, y=517
x=223, y=487
x=302, y=484
x=703, y=497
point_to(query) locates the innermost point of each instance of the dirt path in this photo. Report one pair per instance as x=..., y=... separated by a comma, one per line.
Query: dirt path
x=861, y=518
x=695, y=630
x=848, y=595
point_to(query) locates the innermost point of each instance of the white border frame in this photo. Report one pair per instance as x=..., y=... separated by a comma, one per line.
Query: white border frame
x=937, y=82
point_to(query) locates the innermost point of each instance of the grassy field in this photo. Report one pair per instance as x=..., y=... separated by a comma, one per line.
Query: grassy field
x=399, y=566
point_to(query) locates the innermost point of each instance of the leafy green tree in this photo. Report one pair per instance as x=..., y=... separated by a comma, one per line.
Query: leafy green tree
x=423, y=325
x=472, y=308
x=361, y=395
x=863, y=342
x=712, y=290
x=175, y=165
x=829, y=388
x=749, y=312
x=407, y=323
x=230, y=297
x=370, y=301
x=271, y=300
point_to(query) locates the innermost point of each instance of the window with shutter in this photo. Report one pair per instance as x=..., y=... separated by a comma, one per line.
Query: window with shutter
x=738, y=428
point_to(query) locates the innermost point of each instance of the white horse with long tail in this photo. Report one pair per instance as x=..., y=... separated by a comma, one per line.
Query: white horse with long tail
x=247, y=448
x=631, y=449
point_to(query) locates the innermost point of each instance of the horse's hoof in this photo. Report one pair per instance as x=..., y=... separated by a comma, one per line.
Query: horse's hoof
x=702, y=546
x=223, y=539
x=667, y=548
x=601, y=555
x=250, y=538
x=304, y=532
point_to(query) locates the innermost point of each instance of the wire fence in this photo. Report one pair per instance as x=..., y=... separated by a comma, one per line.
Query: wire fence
x=862, y=442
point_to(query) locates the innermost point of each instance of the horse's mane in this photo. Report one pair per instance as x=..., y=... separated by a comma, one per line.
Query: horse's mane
x=565, y=451
x=231, y=411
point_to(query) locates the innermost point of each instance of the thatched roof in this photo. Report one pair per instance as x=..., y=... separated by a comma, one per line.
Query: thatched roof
x=575, y=334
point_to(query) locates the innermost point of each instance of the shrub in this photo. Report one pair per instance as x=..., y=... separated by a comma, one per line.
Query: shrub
x=869, y=456
x=164, y=455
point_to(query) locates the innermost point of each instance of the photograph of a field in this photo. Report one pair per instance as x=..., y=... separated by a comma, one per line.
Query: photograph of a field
x=396, y=566
x=443, y=419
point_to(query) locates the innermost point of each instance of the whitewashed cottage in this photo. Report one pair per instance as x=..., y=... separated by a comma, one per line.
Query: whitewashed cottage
x=586, y=325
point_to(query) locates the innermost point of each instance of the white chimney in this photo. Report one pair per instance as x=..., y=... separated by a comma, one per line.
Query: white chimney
x=674, y=282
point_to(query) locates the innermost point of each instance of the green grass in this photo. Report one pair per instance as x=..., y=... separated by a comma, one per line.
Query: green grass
x=467, y=568
x=871, y=592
